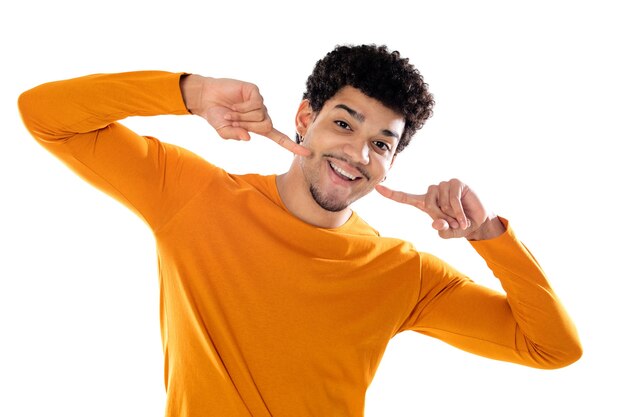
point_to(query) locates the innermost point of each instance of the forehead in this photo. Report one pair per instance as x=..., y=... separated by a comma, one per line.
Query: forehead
x=374, y=111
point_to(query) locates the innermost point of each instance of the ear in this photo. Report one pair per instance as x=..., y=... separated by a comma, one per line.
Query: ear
x=304, y=117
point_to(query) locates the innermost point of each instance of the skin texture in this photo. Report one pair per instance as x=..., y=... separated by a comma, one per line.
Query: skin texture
x=233, y=108
x=378, y=73
x=348, y=147
x=352, y=142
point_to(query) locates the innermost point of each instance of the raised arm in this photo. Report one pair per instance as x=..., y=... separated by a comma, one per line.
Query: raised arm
x=526, y=325
x=77, y=120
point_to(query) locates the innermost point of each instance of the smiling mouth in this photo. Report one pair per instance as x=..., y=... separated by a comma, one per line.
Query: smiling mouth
x=343, y=174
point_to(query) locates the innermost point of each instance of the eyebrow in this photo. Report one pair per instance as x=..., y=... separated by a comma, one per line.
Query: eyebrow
x=361, y=118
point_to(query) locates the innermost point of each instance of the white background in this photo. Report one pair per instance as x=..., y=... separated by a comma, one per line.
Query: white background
x=530, y=112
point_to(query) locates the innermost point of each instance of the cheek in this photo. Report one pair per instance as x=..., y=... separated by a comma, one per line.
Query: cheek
x=319, y=137
x=380, y=167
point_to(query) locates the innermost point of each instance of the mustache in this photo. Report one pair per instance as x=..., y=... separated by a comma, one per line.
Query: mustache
x=358, y=167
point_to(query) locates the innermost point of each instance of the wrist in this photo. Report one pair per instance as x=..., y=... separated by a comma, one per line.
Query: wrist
x=491, y=228
x=191, y=87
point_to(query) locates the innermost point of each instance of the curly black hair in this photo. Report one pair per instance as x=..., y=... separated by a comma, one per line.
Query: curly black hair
x=379, y=74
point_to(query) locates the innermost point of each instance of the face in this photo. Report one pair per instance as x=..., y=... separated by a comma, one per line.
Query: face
x=353, y=141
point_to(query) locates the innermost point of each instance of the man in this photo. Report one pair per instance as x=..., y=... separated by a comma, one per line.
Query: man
x=276, y=298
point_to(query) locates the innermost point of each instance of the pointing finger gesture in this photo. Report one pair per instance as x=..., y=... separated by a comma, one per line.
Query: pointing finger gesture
x=234, y=109
x=454, y=208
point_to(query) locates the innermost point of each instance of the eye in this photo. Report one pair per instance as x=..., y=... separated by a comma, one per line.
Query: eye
x=342, y=124
x=383, y=146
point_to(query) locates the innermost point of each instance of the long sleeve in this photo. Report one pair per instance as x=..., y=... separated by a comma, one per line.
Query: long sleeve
x=76, y=120
x=527, y=325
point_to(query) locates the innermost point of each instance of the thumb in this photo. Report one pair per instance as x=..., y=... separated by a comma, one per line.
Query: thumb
x=230, y=132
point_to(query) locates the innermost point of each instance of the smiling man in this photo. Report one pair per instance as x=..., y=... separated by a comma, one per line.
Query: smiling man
x=353, y=141
x=276, y=298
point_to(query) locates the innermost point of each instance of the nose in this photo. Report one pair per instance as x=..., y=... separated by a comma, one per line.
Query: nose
x=358, y=151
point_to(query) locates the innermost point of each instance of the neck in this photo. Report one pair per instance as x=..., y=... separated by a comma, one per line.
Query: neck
x=296, y=196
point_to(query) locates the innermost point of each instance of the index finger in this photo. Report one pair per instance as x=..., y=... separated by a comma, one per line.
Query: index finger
x=284, y=141
x=415, y=200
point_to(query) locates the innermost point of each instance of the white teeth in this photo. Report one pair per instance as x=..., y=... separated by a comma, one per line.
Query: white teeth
x=342, y=172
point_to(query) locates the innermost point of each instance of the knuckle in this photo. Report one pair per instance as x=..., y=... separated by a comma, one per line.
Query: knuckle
x=252, y=87
x=265, y=126
x=432, y=206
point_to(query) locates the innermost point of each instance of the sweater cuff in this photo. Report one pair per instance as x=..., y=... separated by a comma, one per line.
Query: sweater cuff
x=489, y=247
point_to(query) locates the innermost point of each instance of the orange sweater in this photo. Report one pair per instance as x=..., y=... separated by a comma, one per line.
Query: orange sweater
x=261, y=313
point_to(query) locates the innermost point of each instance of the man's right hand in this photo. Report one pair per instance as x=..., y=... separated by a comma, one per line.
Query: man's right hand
x=234, y=108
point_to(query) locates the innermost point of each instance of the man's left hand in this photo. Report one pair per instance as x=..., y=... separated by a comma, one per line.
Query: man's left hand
x=455, y=209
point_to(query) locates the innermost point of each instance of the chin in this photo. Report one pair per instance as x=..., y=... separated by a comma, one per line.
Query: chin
x=328, y=203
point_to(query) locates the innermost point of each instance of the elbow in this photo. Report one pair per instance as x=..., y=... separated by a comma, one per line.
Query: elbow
x=574, y=354
x=32, y=108
x=25, y=106
x=22, y=103
x=26, y=100
x=566, y=356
